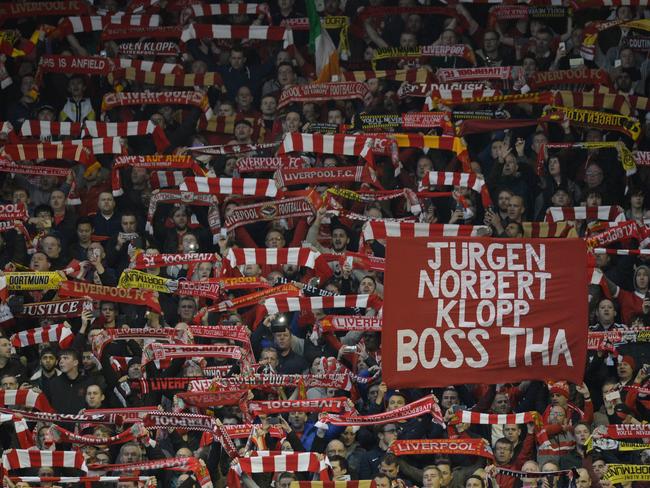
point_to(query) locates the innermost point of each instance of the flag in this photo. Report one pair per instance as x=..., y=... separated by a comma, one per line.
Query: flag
x=321, y=44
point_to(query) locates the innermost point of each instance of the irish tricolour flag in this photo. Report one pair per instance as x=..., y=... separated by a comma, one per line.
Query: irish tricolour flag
x=320, y=43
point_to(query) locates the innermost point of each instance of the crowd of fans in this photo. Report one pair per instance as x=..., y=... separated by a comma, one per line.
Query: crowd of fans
x=101, y=236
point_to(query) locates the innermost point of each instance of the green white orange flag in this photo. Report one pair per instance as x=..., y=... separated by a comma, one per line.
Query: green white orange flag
x=321, y=44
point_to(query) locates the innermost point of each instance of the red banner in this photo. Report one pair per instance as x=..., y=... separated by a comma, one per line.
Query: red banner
x=481, y=311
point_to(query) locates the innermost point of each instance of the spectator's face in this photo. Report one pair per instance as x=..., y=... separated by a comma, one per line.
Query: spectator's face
x=582, y=433
x=96, y=247
x=413, y=23
x=244, y=99
x=395, y=402
x=237, y=59
x=642, y=279
x=335, y=448
x=511, y=432
x=20, y=196
x=340, y=240
x=106, y=203
x=627, y=58
x=108, y=312
x=600, y=468
x=26, y=84
x=283, y=340
x=509, y=165
x=503, y=200
x=624, y=82
x=513, y=230
x=190, y=244
x=187, y=310
x=51, y=246
x=424, y=165
x=48, y=362
x=407, y=40
x=297, y=420
x=348, y=436
x=530, y=67
x=449, y=399
x=268, y=106
x=131, y=454
x=9, y=383
x=560, y=199
x=87, y=361
x=243, y=133
x=275, y=239
x=473, y=483
x=372, y=393
x=388, y=434
x=334, y=117
x=390, y=470
x=180, y=219
x=445, y=473
x=490, y=42
x=448, y=38
x=129, y=223
x=292, y=122
x=94, y=396
x=39, y=262
x=367, y=286
x=502, y=452
x=594, y=200
x=76, y=87
x=382, y=483
x=431, y=478
x=226, y=109
x=606, y=312
x=286, y=76
x=68, y=363
x=501, y=403
x=583, y=481
x=515, y=208
x=543, y=42
x=57, y=200
x=624, y=370
x=336, y=469
x=636, y=200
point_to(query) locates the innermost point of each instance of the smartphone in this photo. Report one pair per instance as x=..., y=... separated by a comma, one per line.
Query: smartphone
x=613, y=396
x=562, y=46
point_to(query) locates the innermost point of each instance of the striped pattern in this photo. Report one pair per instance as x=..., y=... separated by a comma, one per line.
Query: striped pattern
x=230, y=186
x=297, y=256
x=150, y=66
x=179, y=80
x=456, y=96
x=78, y=479
x=476, y=74
x=48, y=333
x=468, y=417
x=253, y=32
x=46, y=128
x=419, y=75
x=607, y=213
x=96, y=23
x=166, y=179
x=334, y=484
x=447, y=178
x=113, y=129
x=25, y=398
x=549, y=230
x=302, y=461
x=594, y=101
x=339, y=144
x=23, y=458
x=622, y=252
x=297, y=304
x=98, y=145
x=49, y=150
x=207, y=10
x=383, y=229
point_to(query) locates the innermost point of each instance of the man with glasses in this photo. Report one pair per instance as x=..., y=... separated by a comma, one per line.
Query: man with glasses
x=369, y=464
x=491, y=53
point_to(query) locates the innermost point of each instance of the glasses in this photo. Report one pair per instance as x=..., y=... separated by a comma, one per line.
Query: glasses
x=389, y=431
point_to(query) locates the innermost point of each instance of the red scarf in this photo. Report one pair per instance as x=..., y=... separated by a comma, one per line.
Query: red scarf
x=257, y=164
x=468, y=446
x=273, y=210
x=131, y=296
x=318, y=92
x=125, y=99
x=425, y=405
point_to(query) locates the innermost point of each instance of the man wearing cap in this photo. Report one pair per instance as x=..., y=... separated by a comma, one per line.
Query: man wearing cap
x=559, y=396
x=243, y=132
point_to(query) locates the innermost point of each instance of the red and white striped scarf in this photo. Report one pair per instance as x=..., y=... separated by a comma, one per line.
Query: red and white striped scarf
x=93, y=128
x=25, y=398
x=220, y=149
x=157, y=67
x=84, y=480
x=456, y=96
x=425, y=405
x=64, y=436
x=230, y=186
x=414, y=75
x=96, y=23
x=23, y=434
x=49, y=150
x=297, y=256
x=317, y=176
x=176, y=79
x=166, y=179
x=28, y=458
x=376, y=230
x=559, y=230
x=303, y=304
x=446, y=178
x=622, y=252
x=612, y=213
x=99, y=145
x=208, y=10
x=334, y=484
x=469, y=417
x=46, y=128
x=60, y=333
x=339, y=144
x=276, y=463
x=253, y=32
x=478, y=74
